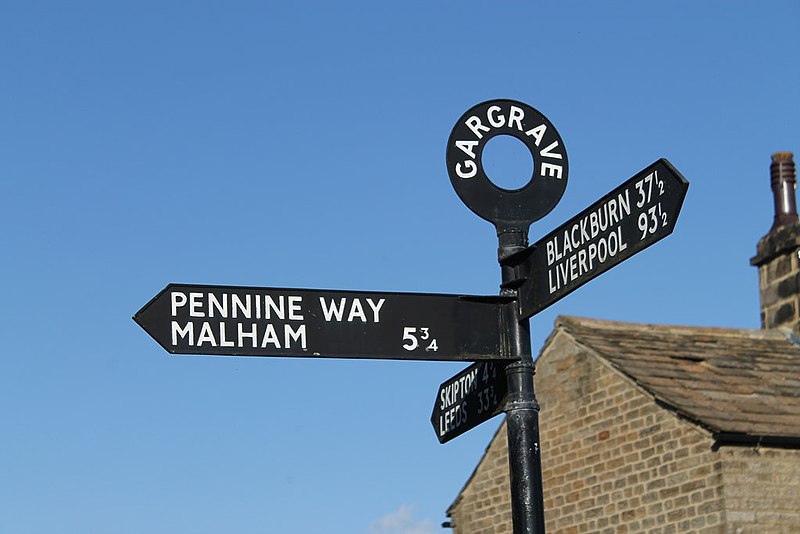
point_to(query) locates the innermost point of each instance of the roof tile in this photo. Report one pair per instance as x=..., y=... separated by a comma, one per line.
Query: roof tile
x=728, y=380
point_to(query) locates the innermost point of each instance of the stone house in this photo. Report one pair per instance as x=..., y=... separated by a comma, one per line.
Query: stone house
x=667, y=429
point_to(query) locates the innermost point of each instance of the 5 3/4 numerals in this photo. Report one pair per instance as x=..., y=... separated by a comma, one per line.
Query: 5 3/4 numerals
x=415, y=337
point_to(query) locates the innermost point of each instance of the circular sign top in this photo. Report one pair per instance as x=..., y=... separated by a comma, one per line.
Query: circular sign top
x=507, y=208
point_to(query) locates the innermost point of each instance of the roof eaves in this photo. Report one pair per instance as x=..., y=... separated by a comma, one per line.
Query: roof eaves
x=722, y=439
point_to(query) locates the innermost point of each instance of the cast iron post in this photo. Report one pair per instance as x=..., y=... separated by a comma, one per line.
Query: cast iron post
x=522, y=410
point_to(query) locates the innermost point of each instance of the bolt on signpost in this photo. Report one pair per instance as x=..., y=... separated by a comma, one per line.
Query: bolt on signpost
x=492, y=331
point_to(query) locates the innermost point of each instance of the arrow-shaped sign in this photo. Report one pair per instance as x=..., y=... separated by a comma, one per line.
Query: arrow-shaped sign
x=471, y=397
x=630, y=218
x=252, y=321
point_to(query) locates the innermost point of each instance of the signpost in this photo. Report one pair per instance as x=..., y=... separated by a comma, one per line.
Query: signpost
x=627, y=220
x=508, y=210
x=512, y=213
x=468, y=399
x=493, y=331
x=254, y=321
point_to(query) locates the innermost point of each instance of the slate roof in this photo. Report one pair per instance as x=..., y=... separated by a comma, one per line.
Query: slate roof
x=730, y=381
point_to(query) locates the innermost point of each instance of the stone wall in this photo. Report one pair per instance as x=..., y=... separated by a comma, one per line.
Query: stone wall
x=484, y=505
x=612, y=460
x=779, y=278
x=761, y=488
x=616, y=461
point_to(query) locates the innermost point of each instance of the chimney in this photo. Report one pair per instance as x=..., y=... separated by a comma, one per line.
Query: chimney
x=777, y=252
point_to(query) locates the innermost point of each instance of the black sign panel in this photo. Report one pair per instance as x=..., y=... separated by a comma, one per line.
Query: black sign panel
x=471, y=397
x=507, y=208
x=251, y=321
x=627, y=220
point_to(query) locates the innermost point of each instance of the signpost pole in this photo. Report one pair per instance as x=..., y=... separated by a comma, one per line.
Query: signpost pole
x=522, y=409
x=512, y=212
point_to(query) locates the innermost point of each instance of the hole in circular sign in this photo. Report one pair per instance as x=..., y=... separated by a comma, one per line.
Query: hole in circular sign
x=508, y=163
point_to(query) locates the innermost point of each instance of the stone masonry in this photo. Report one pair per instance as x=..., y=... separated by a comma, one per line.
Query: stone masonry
x=761, y=490
x=777, y=252
x=484, y=506
x=779, y=277
x=616, y=459
x=620, y=462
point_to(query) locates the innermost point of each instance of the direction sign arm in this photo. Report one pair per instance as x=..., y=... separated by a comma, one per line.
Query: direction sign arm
x=630, y=218
x=284, y=322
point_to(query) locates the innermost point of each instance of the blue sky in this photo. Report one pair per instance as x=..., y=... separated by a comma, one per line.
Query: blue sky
x=302, y=145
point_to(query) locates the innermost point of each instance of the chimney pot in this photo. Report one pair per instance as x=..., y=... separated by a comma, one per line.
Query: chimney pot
x=783, y=180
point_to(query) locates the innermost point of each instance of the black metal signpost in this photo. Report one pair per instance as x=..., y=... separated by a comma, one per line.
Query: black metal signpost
x=492, y=331
x=512, y=213
x=471, y=397
x=254, y=321
x=630, y=218
x=645, y=196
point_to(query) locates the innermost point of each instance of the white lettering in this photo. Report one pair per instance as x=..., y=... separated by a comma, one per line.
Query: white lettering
x=582, y=266
x=222, y=307
x=270, y=306
x=516, y=115
x=624, y=203
x=551, y=170
x=270, y=338
x=243, y=307
x=294, y=335
x=547, y=154
x=356, y=310
x=602, y=250
x=376, y=308
x=295, y=307
x=537, y=133
x=584, y=226
x=497, y=122
x=467, y=146
x=613, y=216
x=206, y=336
x=332, y=311
x=474, y=124
x=567, y=244
x=188, y=330
x=178, y=301
x=252, y=334
x=222, y=341
x=576, y=243
x=471, y=168
x=592, y=255
x=194, y=304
